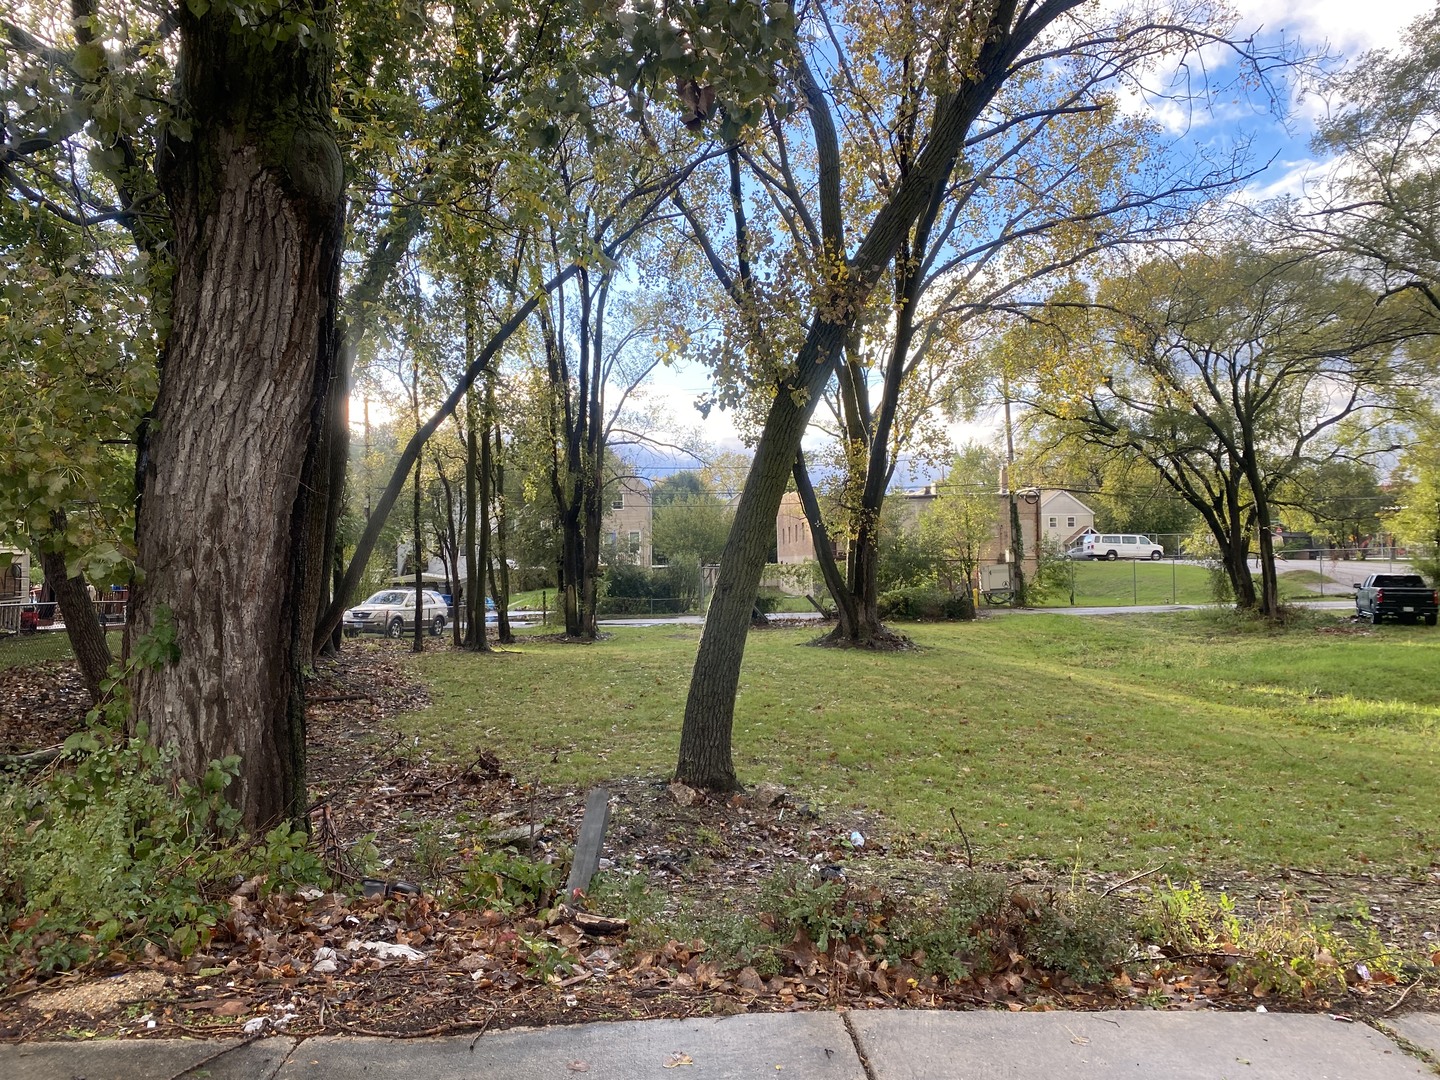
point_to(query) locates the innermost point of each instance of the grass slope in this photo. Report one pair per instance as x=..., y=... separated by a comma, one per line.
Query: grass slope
x=1121, y=742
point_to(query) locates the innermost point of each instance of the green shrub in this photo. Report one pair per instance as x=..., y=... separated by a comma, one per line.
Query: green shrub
x=507, y=882
x=116, y=852
x=1080, y=935
x=799, y=899
x=768, y=600
x=921, y=602
x=983, y=922
x=638, y=590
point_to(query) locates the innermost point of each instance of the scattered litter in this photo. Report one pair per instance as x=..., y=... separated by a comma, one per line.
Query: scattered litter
x=374, y=887
x=675, y=1060
x=327, y=961
x=385, y=950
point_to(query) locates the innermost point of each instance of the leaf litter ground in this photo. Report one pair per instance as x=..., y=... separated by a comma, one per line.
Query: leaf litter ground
x=406, y=966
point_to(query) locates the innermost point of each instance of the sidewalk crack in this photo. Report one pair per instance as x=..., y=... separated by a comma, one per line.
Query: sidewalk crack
x=1413, y=1049
x=294, y=1046
x=859, y=1047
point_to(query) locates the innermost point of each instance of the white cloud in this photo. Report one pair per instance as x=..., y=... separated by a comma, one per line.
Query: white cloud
x=1350, y=27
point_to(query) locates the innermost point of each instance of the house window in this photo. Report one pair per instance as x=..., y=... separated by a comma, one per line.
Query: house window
x=1069, y=522
x=634, y=541
x=1054, y=522
x=657, y=559
x=617, y=501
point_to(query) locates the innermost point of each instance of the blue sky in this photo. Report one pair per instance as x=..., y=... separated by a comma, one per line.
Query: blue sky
x=1347, y=28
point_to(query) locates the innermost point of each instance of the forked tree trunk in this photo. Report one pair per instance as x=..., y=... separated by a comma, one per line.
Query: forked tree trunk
x=255, y=198
x=705, y=758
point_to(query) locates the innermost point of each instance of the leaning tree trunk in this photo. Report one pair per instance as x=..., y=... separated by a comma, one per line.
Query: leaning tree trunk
x=82, y=623
x=845, y=608
x=255, y=197
x=705, y=738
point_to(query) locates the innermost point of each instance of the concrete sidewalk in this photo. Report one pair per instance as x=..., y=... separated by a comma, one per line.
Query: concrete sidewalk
x=881, y=1045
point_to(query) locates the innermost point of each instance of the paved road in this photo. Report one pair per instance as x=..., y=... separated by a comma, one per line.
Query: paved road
x=1118, y=609
x=878, y=1045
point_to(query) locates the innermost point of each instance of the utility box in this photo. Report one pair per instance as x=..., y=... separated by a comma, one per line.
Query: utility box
x=995, y=577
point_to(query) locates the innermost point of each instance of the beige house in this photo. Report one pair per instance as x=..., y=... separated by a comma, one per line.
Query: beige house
x=793, y=542
x=627, y=527
x=1056, y=516
x=1064, y=518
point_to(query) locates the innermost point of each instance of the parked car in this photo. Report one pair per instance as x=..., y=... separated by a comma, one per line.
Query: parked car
x=392, y=612
x=1119, y=546
x=1396, y=596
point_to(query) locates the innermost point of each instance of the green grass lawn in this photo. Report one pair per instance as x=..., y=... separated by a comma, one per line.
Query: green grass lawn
x=21, y=650
x=1133, y=582
x=1117, y=742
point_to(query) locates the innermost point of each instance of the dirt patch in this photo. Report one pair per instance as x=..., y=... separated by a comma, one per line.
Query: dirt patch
x=99, y=997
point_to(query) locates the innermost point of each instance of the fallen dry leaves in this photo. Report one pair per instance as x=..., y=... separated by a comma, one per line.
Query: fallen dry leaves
x=405, y=965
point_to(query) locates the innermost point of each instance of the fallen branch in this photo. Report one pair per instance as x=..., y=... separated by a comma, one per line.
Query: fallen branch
x=34, y=759
x=428, y=1033
x=1401, y=999
x=596, y=925
x=1128, y=880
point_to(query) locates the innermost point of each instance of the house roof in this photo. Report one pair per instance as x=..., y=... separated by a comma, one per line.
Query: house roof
x=1049, y=495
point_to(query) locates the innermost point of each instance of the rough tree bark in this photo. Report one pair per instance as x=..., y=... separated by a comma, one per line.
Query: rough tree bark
x=255, y=199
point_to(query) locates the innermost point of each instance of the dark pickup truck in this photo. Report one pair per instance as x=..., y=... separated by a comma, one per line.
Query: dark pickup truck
x=1396, y=596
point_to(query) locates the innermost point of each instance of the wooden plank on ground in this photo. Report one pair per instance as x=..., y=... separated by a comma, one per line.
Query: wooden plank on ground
x=592, y=838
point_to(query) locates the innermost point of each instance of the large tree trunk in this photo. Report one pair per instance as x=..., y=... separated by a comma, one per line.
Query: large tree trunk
x=82, y=623
x=255, y=199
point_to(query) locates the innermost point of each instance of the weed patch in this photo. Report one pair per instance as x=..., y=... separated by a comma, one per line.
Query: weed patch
x=113, y=855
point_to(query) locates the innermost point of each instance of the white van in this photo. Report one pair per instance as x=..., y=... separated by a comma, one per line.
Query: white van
x=1119, y=546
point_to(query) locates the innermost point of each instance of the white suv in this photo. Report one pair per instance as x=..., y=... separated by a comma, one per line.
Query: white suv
x=392, y=612
x=1120, y=546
